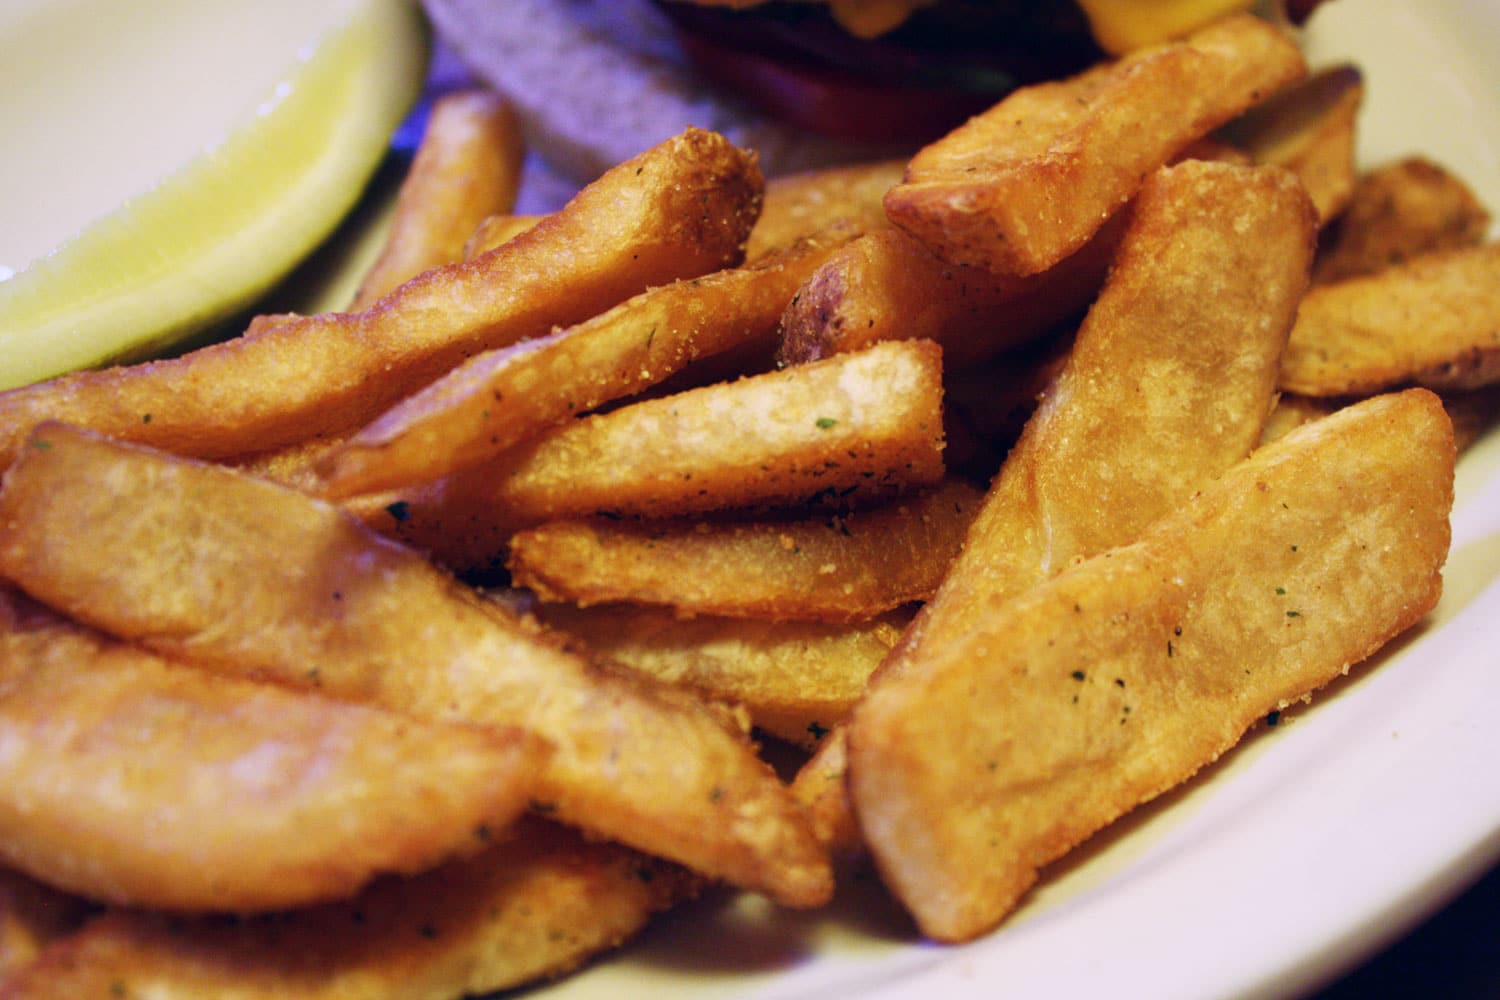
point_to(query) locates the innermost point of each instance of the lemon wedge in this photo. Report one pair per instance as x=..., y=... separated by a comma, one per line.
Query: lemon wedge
x=206, y=240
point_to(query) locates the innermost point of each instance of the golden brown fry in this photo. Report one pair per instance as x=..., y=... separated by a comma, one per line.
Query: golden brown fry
x=495, y=230
x=1168, y=383
x=1310, y=129
x=1292, y=411
x=1399, y=211
x=534, y=906
x=820, y=785
x=799, y=205
x=888, y=286
x=796, y=679
x=1025, y=184
x=679, y=209
x=1434, y=320
x=855, y=426
x=32, y=916
x=467, y=168
x=133, y=780
x=498, y=399
x=1068, y=706
x=836, y=568
x=242, y=576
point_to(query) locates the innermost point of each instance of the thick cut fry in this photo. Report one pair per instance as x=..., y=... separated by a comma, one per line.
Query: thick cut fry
x=239, y=575
x=1168, y=384
x=680, y=209
x=466, y=169
x=888, y=286
x=495, y=230
x=32, y=916
x=1309, y=129
x=821, y=787
x=500, y=398
x=1434, y=320
x=838, y=568
x=799, y=205
x=859, y=426
x=1292, y=411
x=1025, y=184
x=534, y=906
x=137, y=781
x=1064, y=708
x=796, y=679
x=1399, y=211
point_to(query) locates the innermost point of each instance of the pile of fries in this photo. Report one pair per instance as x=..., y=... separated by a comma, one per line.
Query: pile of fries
x=423, y=650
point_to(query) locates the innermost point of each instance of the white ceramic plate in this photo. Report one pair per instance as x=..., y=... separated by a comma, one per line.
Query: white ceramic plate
x=1311, y=845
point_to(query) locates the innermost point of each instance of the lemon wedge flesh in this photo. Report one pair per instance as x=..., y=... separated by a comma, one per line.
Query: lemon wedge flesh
x=1123, y=25
x=211, y=237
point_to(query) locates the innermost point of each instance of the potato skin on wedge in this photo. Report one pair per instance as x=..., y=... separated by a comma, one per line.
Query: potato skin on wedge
x=1066, y=707
x=134, y=780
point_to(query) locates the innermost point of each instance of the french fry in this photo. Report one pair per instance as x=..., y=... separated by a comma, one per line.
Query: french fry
x=1064, y=708
x=681, y=208
x=467, y=168
x=238, y=575
x=821, y=786
x=801, y=204
x=1433, y=320
x=1292, y=411
x=888, y=286
x=855, y=426
x=137, y=781
x=1310, y=129
x=1398, y=211
x=498, y=399
x=797, y=680
x=533, y=906
x=1023, y=185
x=495, y=230
x=1166, y=386
x=837, y=568
x=32, y=916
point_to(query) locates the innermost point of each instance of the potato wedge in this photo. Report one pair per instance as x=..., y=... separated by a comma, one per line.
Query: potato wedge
x=680, y=209
x=239, y=575
x=500, y=398
x=133, y=780
x=1068, y=706
x=855, y=426
x=533, y=906
x=467, y=168
x=1310, y=130
x=796, y=679
x=1398, y=211
x=1434, y=320
x=1025, y=184
x=889, y=286
x=801, y=204
x=1167, y=385
x=491, y=232
x=837, y=568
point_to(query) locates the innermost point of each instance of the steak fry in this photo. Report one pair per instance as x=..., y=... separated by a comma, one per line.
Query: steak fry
x=1064, y=708
x=204, y=564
